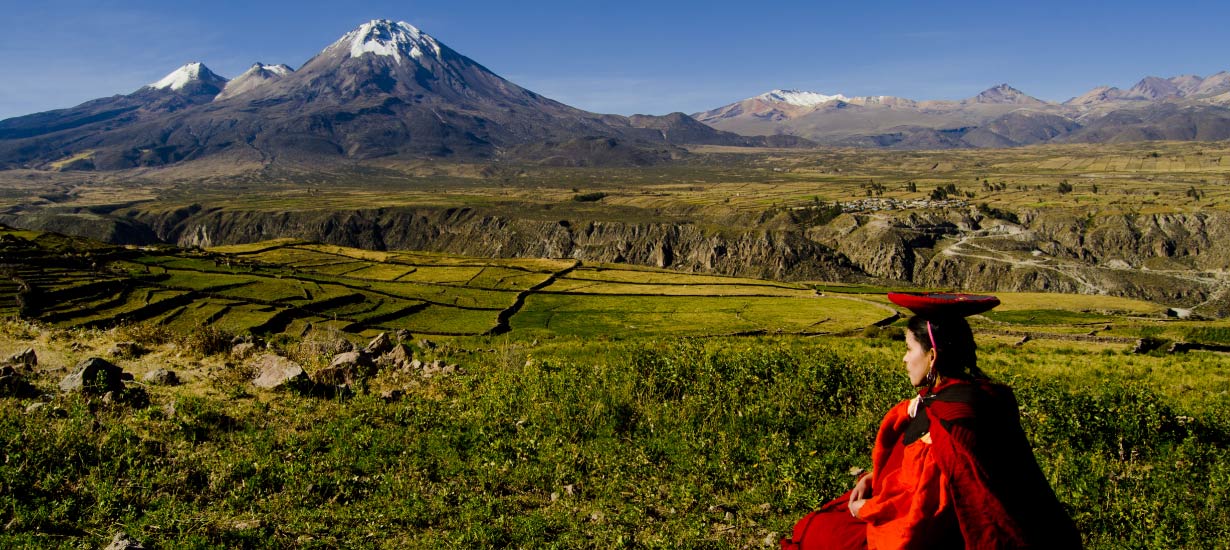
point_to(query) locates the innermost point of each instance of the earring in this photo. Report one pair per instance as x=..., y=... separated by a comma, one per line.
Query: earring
x=930, y=378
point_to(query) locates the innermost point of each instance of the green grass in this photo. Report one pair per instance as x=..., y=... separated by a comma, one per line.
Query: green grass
x=718, y=443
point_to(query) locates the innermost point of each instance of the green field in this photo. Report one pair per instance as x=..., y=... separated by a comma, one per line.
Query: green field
x=598, y=406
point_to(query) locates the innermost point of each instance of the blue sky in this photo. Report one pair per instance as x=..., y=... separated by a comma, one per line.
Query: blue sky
x=632, y=56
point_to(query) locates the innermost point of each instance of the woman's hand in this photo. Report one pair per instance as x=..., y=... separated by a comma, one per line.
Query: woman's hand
x=860, y=494
x=862, y=489
x=856, y=505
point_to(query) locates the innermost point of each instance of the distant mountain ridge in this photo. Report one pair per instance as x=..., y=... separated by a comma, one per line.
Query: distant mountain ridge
x=1181, y=107
x=383, y=89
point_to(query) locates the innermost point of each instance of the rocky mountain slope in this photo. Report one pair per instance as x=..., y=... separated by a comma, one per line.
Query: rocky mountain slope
x=383, y=89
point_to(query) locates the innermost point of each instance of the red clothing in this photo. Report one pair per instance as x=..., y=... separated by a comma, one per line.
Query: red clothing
x=957, y=474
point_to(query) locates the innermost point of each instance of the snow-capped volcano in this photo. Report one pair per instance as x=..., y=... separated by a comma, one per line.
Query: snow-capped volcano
x=257, y=75
x=799, y=98
x=387, y=38
x=183, y=77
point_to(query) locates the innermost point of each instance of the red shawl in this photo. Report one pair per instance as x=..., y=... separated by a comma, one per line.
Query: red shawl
x=981, y=472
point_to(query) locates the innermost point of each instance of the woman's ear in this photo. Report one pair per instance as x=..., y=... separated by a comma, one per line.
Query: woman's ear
x=934, y=355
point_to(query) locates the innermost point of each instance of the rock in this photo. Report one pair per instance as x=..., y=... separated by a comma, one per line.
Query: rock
x=346, y=369
x=1022, y=341
x=26, y=359
x=13, y=384
x=126, y=350
x=390, y=396
x=413, y=365
x=277, y=372
x=426, y=344
x=397, y=357
x=161, y=377
x=1179, y=313
x=403, y=335
x=122, y=541
x=94, y=375
x=379, y=345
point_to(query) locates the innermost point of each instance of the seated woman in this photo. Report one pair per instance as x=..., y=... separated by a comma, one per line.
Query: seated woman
x=951, y=467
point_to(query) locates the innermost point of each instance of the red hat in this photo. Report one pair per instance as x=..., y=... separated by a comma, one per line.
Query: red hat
x=943, y=304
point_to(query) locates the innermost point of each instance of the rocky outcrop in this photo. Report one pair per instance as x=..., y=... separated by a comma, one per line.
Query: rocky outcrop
x=1172, y=258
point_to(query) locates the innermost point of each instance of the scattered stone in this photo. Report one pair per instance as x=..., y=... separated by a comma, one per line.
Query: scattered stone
x=13, y=384
x=413, y=365
x=26, y=359
x=403, y=335
x=426, y=344
x=243, y=350
x=390, y=396
x=277, y=372
x=126, y=350
x=94, y=375
x=35, y=406
x=161, y=377
x=122, y=541
x=346, y=369
x=396, y=358
x=1022, y=341
x=379, y=345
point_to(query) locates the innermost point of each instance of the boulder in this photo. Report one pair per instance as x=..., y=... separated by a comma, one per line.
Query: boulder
x=403, y=335
x=397, y=357
x=379, y=345
x=161, y=377
x=390, y=396
x=277, y=372
x=13, y=384
x=346, y=368
x=122, y=541
x=95, y=376
x=25, y=359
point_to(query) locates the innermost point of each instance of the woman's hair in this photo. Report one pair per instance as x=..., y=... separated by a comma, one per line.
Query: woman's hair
x=955, y=355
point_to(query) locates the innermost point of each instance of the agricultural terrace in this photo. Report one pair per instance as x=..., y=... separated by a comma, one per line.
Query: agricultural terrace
x=290, y=286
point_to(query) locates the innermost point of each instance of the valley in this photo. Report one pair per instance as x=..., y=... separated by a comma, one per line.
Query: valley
x=1141, y=221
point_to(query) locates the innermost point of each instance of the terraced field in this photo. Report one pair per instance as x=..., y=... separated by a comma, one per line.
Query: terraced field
x=289, y=286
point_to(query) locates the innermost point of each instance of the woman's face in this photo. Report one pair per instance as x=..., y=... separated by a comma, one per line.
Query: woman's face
x=917, y=362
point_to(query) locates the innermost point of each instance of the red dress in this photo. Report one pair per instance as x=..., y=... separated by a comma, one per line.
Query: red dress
x=959, y=473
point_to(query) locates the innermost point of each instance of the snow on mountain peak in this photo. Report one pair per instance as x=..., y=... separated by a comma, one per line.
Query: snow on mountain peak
x=183, y=76
x=387, y=38
x=800, y=98
x=279, y=69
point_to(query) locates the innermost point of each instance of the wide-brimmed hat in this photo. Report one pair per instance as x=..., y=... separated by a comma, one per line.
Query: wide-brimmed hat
x=943, y=304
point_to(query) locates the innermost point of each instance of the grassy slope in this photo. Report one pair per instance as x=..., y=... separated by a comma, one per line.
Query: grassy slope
x=693, y=443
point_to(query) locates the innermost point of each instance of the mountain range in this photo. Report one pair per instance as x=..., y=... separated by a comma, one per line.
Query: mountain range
x=1186, y=107
x=384, y=89
x=388, y=90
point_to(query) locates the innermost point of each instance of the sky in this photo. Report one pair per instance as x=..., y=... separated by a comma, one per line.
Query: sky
x=632, y=56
